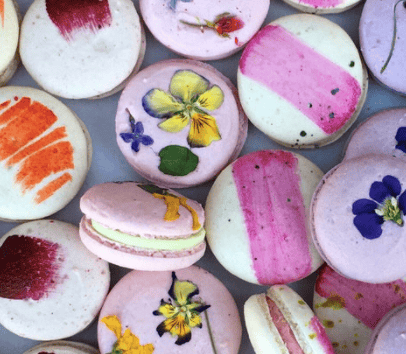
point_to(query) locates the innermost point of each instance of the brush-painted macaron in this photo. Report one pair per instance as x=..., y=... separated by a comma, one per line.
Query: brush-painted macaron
x=82, y=48
x=322, y=6
x=356, y=218
x=179, y=123
x=9, y=34
x=141, y=226
x=62, y=347
x=51, y=286
x=178, y=312
x=279, y=321
x=301, y=81
x=45, y=154
x=256, y=217
x=383, y=133
x=350, y=309
x=204, y=30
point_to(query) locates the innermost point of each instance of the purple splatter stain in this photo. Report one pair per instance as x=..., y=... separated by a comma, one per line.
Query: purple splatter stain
x=28, y=267
x=69, y=15
x=45, y=353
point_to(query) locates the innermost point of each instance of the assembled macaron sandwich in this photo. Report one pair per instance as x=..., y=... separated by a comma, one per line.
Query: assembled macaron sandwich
x=141, y=226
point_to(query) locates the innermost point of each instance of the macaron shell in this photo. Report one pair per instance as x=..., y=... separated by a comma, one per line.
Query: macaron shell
x=27, y=194
x=300, y=105
x=150, y=159
x=164, y=20
x=236, y=199
x=110, y=43
x=62, y=347
x=322, y=6
x=377, y=135
x=336, y=237
x=136, y=296
x=63, y=305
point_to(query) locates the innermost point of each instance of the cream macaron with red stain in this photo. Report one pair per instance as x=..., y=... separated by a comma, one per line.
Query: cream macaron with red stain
x=82, y=48
x=62, y=347
x=9, y=35
x=256, y=217
x=280, y=322
x=322, y=6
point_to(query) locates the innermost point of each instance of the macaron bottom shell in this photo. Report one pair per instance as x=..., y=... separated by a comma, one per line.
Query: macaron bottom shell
x=62, y=347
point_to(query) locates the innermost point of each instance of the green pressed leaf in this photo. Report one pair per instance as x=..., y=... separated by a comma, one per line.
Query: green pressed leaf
x=152, y=188
x=177, y=160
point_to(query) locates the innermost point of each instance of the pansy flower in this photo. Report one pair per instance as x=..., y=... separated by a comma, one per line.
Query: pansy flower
x=388, y=204
x=401, y=139
x=183, y=313
x=188, y=100
x=136, y=137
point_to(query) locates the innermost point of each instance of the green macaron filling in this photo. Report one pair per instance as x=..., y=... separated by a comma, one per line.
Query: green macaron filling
x=152, y=243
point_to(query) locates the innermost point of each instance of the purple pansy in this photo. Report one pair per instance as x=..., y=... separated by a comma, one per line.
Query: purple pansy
x=388, y=204
x=401, y=139
x=136, y=137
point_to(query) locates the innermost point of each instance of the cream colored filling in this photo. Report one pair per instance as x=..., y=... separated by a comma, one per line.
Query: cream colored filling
x=153, y=243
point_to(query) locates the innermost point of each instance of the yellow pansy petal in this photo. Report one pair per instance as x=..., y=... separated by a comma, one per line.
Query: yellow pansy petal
x=186, y=85
x=159, y=104
x=113, y=324
x=167, y=310
x=174, y=124
x=211, y=99
x=183, y=290
x=203, y=130
x=194, y=320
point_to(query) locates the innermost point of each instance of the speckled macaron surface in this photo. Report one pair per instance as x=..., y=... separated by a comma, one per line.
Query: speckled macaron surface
x=357, y=218
x=301, y=81
x=382, y=37
x=256, y=217
x=178, y=312
x=9, y=34
x=350, y=309
x=383, y=133
x=179, y=123
x=45, y=153
x=81, y=48
x=51, y=286
x=204, y=30
x=62, y=347
x=322, y=6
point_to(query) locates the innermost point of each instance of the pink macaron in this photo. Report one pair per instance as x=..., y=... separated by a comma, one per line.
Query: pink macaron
x=141, y=226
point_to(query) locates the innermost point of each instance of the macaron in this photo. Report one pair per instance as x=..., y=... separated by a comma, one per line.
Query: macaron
x=322, y=6
x=141, y=226
x=350, y=309
x=9, y=34
x=208, y=30
x=389, y=336
x=301, y=81
x=279, y=321
x=51, y=286
x=82, y=49
x=356, y=218
x=179, y=123
x=257, y=217
x=62, y=347
x=178, y=312
x=383, y=133
x=381, y=30
x=45, y=154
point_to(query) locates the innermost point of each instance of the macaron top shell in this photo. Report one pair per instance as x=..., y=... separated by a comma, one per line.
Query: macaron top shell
x=322, y=6
x=132, y=208
x=62, y=347
x=181, y=25
x=353, y=238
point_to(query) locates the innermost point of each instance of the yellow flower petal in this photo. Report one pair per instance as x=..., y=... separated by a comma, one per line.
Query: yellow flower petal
x=194, y=320
x=182, y=291
x=159, y=104
x=186, y=85
x=177, y=326
x=211, y=99
x=174, y=124
x=113, y=324
x=203, y=130
x=168, y=310
x=127, y=341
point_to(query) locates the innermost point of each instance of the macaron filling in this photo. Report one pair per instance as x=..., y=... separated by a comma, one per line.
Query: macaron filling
x=151, y=243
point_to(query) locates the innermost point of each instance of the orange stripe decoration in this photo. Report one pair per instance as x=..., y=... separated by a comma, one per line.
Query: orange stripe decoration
x=52, y=187
x=4, y=104
x=14, y=111
x=2, y=12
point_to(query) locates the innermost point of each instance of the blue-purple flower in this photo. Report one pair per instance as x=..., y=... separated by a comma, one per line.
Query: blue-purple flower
x=401, y=139
x=136, y=137
x=388, y=204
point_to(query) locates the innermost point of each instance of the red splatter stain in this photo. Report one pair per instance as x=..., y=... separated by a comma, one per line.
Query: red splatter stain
x=28, y=267
x=2, y=12
x=69, y=15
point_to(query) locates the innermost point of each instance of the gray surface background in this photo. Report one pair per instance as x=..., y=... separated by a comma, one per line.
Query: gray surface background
x=109, y=164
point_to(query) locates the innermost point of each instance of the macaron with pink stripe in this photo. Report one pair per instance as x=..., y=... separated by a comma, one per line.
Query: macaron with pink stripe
x=301, y=81
x=322, y=6
x=256, y=217
x=279, y=321
x=350, y=309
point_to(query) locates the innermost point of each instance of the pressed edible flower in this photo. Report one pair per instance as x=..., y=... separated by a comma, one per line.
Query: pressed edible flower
x=401, y=139
x=136, y=137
